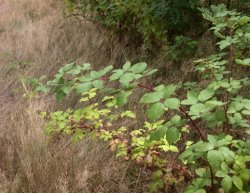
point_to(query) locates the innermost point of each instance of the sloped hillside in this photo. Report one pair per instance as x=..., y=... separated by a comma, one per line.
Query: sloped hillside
x=36, y=39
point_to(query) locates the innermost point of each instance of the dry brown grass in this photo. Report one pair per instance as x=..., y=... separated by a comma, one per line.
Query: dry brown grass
x=36, y=40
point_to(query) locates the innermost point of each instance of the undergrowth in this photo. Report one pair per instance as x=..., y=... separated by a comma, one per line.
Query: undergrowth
x=194, y=133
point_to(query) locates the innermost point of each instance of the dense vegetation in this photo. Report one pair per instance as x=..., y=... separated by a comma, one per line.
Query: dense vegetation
x=154, y=23
x=196, y=133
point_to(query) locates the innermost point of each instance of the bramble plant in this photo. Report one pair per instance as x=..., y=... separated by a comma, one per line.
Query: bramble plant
x=217, y=109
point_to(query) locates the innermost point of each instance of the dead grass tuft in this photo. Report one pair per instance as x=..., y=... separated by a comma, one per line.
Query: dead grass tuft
x=36, y=40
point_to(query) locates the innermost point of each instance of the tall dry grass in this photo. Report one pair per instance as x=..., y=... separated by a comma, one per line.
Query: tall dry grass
x=35, y=40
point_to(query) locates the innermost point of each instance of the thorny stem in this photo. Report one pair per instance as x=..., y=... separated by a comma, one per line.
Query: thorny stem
x=212, y=179
x=150, y=88
x=193, y=124
x=225, y=108
x=226, y=128
x=203, y=139
x=104, y=78
x=230, y=57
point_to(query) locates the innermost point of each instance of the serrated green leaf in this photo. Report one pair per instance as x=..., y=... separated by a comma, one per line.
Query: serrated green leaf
x=127, y=78
x=172, y=135
x=126, y=66
x=67, y=67
x=185, y=154
x=94, y=74
x=237, y=182
x=201, y=172
x=169, y=90
x=223, y=142
x=200, y=191
x=86, y=66
x=214, y=103
x=122, y=98
x=246, y=112
x=220, y=115
x=66, y=89
x=227, y=183
x=159, y=133
x=75, y=71
x=238, y=106
x=84, y=87
x=105, y=70
x=138, y=68
x=159, y=88
x=155, y=111
x=245, y=62
x=98, y=84
x=212, y=139
x=224, y=166
x=215, y=158
x=176, y=120
x=227, y=153
x=197, y=109
x=151, y=97
x=221, y=174
x=192, y=98
x=225, y=43
x=203, y=147
x=172, y=103
x=206, y=94
x=116, y=75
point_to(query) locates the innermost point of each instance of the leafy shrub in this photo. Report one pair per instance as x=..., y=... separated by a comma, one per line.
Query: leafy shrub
x=155, y=24
x=182, y=48
x=216, y=109
x=152, y=21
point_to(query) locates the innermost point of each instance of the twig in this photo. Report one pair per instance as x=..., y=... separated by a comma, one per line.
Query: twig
x=193, y=124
